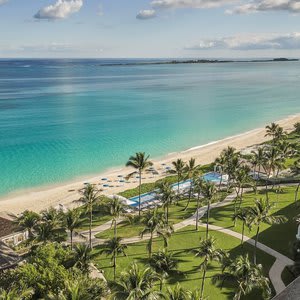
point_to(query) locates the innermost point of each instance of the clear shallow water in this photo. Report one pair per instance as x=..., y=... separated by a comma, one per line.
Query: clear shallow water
x=61, y=119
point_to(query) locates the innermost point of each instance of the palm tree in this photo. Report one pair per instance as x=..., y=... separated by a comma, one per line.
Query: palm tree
x=114, y=247
x=221, y=163
x=89, y=197
x=164, y=264
x=271, y=130
x=179, y=166
x=244, y=275
x=28, y=221
x=178, y=293
x=45, y=231
x=82, y=257
x=15, y=294
x=261, y=213
x=136, y=284
x=155, y=224
x=209, y=192
x=117, y=208
x=297, y=128
x=207, y=250
x=72, y=220
x=296, y=171
x=198, y=185
x=242, y=215
x=140, y=162
x=258, y=159
x=167, y=196
x=191, y=170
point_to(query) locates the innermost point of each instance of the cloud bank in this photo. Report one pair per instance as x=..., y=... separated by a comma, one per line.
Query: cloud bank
x=146, y=14
x=60, y=10
x=189, y=3
x=251, y=42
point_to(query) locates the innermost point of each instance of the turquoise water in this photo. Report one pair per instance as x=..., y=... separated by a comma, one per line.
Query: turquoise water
x=62, y=119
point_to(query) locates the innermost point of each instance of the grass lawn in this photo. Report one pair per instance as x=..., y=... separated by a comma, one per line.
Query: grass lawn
x=176, y=215
x=181, y=243
x=279, y=237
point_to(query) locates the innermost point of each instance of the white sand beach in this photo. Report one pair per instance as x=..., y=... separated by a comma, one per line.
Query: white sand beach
x=39, y=199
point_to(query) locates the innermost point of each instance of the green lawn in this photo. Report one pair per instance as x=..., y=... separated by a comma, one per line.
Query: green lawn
x=279, y=237
x=181, y=243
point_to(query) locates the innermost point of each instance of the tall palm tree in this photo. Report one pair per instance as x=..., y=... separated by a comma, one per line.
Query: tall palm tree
x=245, y=275
x=261, y=213
x=179, y=166
x=28, y=221
x=198, y=185
x=139, y=162
x=271, y=130
x=208, y=191
x=83, y=257
x=242, y=215
x=164, y=264
x=207, y=250
x=116, y=209
x=191, y=170
x=221, y=163
x=90, y=195
x=167, y=196
x=258, y=159
x=178, y=293
x=155, y=224
x=296, y=171
x=135, y=284
x=72, y=220
x=15, y=294
x=114, y=247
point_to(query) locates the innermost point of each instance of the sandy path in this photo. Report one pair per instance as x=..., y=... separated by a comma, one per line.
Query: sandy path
x=38, y=199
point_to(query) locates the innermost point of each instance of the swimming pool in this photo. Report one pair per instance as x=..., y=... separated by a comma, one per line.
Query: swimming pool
x=183, y=185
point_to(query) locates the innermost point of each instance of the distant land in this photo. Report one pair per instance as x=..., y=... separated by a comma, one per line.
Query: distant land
x=200, y=61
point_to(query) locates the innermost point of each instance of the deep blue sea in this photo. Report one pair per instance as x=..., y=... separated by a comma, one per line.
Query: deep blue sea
x=62, y=119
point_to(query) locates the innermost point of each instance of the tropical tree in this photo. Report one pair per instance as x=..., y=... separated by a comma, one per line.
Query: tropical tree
x=155, y=224
x=178, y=293
x=296, y=171
x=15, y=294
x=83, y=257
x=245, y=275
x=191, y=170
x=164, y=264
x=271, y=130
x=72, y=220
x=297, y=128
x=258, y=159
x=243, y=215
x=198, y=184
x=28, y=221
x=114, y=247
x=207, y=250
x=89, y=197
x=179, y=167
x=45, y=232
x=167, y=196
x=221, y=163
x=116, y=209
x=136, y=284
x=140, y=162
x=261, y=213
x=208, y=191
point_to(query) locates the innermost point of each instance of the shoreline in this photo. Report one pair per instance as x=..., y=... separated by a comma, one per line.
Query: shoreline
x=42, y=197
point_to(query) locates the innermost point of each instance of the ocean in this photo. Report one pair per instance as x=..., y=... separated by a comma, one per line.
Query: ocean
x=65, y=119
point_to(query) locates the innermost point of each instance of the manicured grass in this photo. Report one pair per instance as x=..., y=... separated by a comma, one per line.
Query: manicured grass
x=181, y=243
x=279, y=237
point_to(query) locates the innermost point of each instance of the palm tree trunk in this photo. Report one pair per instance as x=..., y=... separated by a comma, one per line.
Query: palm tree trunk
x=238, y=294
x=167, y=214
x=90, y=233
x=150, y=244
x=207, y=218
x=255, y=245
x=115, y=228
x=190, y=194
x=115, y=265
x=197, y=212
x=71, y=236
x=243, y=230
x=178, y=180
x=296, y=192
x=140, y=187
x=203, y=280
x=241, y=197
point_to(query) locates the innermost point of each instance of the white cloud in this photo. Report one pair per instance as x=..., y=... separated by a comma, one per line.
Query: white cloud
x=3, y=1
x=146, y=14
x=267, y=5
x=190, y=3
x=60, y=10
x=251, y=42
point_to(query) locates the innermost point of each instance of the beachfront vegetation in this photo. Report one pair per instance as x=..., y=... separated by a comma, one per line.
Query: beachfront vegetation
x=167, y=264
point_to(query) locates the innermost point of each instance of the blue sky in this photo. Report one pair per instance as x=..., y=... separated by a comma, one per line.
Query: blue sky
x=150, y=28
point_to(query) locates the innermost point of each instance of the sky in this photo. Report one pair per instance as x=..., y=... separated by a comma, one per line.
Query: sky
x=149, y=28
